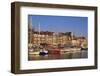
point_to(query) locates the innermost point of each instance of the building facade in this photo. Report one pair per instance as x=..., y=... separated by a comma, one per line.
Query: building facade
x=53, y=38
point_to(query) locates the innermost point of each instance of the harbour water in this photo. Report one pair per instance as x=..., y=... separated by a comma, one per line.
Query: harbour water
x=69, y=55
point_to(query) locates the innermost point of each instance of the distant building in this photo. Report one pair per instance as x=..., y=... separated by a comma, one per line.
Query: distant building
x=52, y=38
x=79, y=41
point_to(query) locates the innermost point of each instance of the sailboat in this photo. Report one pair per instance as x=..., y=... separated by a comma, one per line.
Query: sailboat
x=42, y=51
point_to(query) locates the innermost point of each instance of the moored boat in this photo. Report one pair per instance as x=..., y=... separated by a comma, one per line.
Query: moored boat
x=43, y=52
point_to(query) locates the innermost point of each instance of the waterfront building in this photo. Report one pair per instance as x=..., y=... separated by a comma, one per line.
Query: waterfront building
x=46, y=38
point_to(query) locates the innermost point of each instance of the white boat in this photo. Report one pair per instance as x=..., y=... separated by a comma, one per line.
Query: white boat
x=63, y=51
x=43, y=52
x=75, y=49
x=69, y=50
x=34, y=53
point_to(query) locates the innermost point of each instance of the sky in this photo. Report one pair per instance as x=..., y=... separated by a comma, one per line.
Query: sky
x=77, y=25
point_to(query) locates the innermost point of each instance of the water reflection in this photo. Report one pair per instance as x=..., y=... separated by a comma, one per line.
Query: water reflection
x=69, y=55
